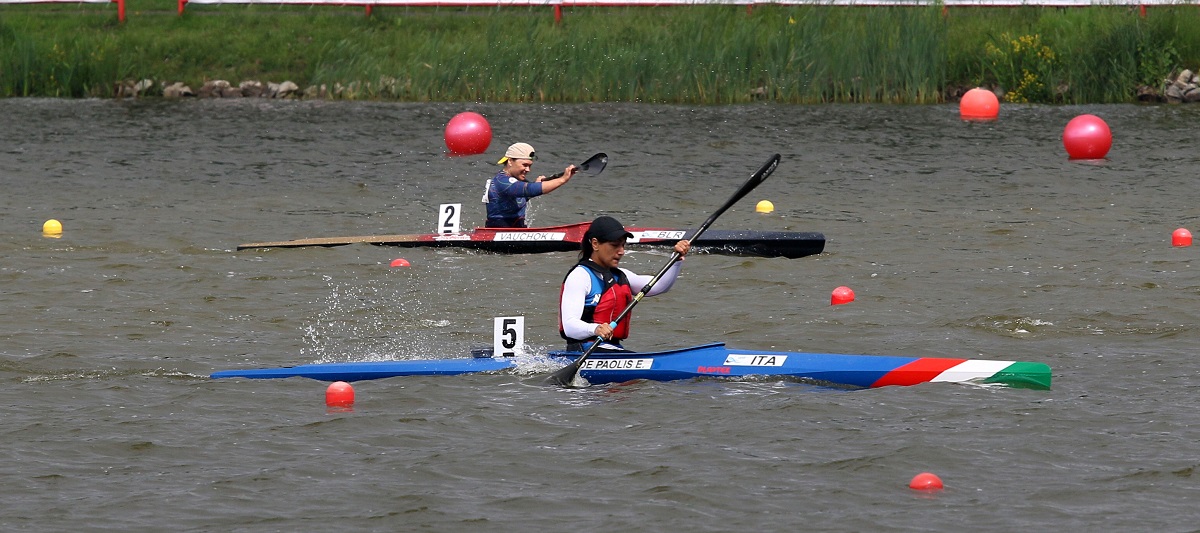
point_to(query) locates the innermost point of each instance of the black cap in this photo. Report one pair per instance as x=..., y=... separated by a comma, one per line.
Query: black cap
x=607, y=229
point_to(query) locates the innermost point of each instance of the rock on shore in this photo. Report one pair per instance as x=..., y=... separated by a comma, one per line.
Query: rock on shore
x=210, y=89
x=1184, y=89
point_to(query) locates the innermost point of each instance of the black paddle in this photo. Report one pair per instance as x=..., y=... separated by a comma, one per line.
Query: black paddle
x=594, y=165
x=566, y=376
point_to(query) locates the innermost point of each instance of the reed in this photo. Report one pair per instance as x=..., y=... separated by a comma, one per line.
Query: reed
x=682, y=54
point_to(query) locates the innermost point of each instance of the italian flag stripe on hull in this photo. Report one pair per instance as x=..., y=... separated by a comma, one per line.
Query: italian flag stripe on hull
x=1011, y=373
x=919, y=371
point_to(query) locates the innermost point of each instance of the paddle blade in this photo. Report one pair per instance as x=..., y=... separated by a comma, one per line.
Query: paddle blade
x=595, y=164
x=568, y=376
x=758, y=177
x=565, y=375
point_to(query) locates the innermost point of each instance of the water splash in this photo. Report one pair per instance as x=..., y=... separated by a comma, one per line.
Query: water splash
x=367, y=320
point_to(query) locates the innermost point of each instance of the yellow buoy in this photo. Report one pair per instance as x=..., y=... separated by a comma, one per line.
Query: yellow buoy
x=52, y=227
x=764, y=206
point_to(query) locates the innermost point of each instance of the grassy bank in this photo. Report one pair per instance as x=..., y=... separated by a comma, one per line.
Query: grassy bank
x=692, y=54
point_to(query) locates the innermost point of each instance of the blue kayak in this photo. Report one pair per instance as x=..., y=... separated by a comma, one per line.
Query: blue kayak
x=705, y=361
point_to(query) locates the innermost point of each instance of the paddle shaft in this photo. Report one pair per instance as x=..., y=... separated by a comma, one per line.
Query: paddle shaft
x=566, y=375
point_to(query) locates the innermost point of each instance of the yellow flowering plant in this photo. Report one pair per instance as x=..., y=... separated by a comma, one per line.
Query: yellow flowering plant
x=1023, y=66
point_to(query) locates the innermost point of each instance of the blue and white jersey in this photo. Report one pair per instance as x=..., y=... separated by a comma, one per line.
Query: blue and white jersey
x=507, y=197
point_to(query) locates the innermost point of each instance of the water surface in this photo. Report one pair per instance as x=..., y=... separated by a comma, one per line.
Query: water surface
x=959, y=239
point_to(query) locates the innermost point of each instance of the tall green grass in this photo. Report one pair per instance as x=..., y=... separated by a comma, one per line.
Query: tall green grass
x=681, y=54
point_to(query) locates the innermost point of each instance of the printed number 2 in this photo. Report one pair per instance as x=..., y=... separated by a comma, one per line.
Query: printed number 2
x=508, y=336
x=450, y=214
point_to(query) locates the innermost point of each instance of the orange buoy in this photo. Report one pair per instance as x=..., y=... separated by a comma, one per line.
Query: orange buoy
x=979, y=104
x=1087, y=137
x=468, y=133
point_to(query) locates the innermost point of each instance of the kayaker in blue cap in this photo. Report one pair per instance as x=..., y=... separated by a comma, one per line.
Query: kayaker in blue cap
x=509, y=191
x=596, y=289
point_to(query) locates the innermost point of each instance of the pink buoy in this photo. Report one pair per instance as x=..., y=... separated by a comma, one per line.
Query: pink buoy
x=468, y=133
x=979, y=104
x=1181, y=237
x=841, y=295
x=1087, y=137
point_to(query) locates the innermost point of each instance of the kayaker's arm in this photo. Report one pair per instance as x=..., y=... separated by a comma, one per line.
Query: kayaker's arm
x=638, y=281
x=554, y=183
x=575, y=287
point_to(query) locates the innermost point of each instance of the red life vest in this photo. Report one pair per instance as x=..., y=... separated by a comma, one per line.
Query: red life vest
x=610, y=294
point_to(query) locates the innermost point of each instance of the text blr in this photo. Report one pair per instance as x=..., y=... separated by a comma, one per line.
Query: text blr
x=654, y=235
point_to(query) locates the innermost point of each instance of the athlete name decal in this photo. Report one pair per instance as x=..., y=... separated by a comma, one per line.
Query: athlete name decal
x=639, y=236
x=530, y=236
x=617, y=364
x=747, y=359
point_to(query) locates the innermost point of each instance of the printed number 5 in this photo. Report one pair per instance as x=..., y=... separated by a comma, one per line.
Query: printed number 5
x=508, y=336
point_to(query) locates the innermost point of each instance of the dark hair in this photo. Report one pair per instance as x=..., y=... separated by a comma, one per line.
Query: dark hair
x=585, y=246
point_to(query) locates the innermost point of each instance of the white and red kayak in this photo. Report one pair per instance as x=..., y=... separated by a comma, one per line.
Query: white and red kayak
x=566, y=238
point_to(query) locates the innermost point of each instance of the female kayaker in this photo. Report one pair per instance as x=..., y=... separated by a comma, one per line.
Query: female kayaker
x=596, y=290
x=509, y=191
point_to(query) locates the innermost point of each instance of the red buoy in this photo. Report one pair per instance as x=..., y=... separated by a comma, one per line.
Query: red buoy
x=1087, y=137
x=979, y=104
x=841, y=295
x=399, y=262
x=1181, y=237
x=925, y=481
x=468, y=133
x=339, y=394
